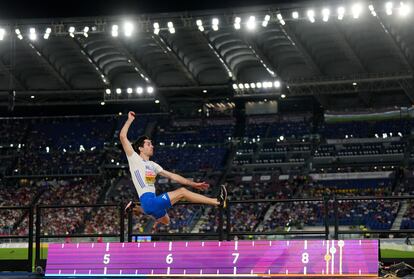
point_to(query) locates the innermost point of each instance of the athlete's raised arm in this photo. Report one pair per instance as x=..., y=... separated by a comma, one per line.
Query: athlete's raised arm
x=124, y=132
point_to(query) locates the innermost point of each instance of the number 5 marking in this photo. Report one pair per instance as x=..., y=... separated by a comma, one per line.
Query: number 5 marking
x=236, y=256
x=106, y=259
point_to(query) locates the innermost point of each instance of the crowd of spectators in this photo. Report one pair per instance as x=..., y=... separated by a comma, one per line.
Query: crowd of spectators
x=83, y=146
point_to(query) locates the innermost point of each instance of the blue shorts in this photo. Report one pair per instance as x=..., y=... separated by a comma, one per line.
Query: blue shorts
x=155, y=205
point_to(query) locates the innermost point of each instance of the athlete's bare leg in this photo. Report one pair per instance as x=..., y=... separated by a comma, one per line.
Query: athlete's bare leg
x=184, y=194
x=163, y=220
x=137, y=210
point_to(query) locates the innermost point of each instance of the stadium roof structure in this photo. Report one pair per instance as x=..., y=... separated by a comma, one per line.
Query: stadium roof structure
x=340, y=55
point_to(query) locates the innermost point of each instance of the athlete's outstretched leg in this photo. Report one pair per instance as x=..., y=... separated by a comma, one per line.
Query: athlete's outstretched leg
x=184, y=194
x=163, y=220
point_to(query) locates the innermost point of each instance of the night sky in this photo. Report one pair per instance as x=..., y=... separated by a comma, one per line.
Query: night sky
x=10, y=9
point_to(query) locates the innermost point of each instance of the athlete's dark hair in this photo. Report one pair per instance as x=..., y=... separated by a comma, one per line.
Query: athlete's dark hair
x=139, y=143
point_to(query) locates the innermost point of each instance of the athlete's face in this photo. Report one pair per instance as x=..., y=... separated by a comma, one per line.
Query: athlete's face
x=148, y=148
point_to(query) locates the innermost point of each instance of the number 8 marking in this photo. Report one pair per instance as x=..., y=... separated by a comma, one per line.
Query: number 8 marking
x=305, y=258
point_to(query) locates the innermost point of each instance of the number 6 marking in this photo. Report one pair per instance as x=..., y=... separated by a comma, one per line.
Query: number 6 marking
x=236, y=256
x=169, y=259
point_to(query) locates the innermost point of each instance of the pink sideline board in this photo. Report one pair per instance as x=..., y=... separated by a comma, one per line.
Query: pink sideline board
x=216, y=259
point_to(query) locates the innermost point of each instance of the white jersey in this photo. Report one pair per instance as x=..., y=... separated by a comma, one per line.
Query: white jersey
x=143, y=173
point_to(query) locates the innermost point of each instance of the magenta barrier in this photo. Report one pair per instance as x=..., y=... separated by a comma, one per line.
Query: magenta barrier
x=214, y=258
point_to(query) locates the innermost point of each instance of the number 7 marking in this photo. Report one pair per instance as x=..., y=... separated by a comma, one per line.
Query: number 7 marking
x=236, y=256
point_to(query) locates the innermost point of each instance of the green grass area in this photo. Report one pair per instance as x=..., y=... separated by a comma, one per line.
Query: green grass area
x=19, y=253
x=388, y=253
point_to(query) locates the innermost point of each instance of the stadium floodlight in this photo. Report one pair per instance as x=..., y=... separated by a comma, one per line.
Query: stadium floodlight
x=32, y=34
x=129, y=90
x=253, y=85
x=276, y=84
x=18, y=33
x=241, y=86
x=171, y=28
x=311, y=15
x=102, y=103
x=157, y=101
x=128, y=29
x=266, y=20
x=118, y=91
x=139, y=90
x=325, y=14
x=372, y=9
x=215, y=23
x=114, y=30
x=235, y=86
x=246, y=85
x=295, y=15
x=150, y=89
x=108, y=91
x=251, y=23
x=280, y=18
x=258, y=84
x=237, y=21
x=156, y=28
x=388, y=8
x=341, y=13
x=2, y=33
x=356, y=10
x=47, y=33
x=269, y=84
x=404, y=9
x=283, y=96
x=199, y=23
x=85, y=31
